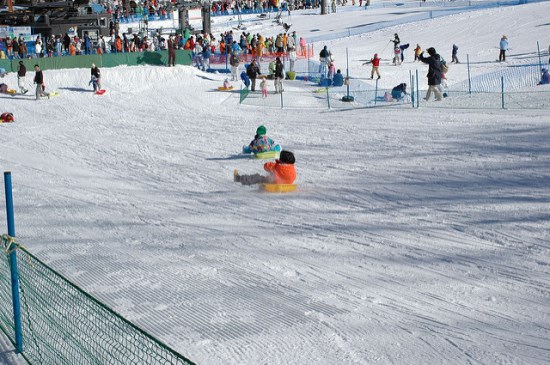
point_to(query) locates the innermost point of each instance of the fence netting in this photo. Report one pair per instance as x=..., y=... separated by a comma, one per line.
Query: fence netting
x=61, y=324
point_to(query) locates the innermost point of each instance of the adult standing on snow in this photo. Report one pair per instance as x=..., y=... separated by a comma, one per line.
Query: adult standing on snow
x=234, y=62
x=21, y=74
x=96, y=77
x=503, y=48
x=278, y=74
x=434, y=73
x=323, y=56
x=252, y=72
x=454, y=54
x=172, y=45
x=39, y=81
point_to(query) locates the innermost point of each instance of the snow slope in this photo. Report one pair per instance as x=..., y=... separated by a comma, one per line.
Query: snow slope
x=416, y=236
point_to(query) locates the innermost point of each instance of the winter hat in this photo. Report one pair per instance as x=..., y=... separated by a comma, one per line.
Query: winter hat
x=261, y=131
x=287, y=157
x=431, y=51
x=376, y=55
x=504, y=37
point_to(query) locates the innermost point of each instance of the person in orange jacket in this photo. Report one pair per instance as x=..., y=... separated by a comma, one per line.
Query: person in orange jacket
x=281, y=171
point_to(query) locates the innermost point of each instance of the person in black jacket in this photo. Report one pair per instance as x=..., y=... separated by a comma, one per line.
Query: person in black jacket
x=21, y=74
x=39, y=81
x=434, y=73
x=278, y=75
x=96, y=77
x=252, y=72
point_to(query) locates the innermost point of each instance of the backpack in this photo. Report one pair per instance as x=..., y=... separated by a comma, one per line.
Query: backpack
x=444, y=66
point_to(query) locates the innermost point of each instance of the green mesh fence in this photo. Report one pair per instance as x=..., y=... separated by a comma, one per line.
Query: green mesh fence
x=64, y=325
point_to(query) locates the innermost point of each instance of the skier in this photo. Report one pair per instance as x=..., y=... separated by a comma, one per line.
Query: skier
x=503, y=48
x=434, y=73
x=454, y=54
x=281, y=171
x=21, y=74
x=96, y=77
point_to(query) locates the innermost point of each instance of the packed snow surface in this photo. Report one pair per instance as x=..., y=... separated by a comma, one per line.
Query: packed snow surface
x=416, y=236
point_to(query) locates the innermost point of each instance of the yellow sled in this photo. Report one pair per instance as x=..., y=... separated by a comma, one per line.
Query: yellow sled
x=267, y=155
x=279, y=188
x=221, y=88
x=11, y=91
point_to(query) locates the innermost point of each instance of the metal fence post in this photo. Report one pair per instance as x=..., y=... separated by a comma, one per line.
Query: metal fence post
x=502, y=88
x=13, y=265
x=376, y=92
x=417, y=91
x=469, y=78
x=540, y=60
x=282, y=102
x=328, y=98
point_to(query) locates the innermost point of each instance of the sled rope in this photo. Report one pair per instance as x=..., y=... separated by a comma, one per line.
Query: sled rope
x=9, y=243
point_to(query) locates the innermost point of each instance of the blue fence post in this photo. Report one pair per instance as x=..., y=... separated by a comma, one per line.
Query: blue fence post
x=502, y=90
x=376, y=92
x=469, y=78
x=540, y=60
x=13, y=265
x=412, y=88
x=417, y=91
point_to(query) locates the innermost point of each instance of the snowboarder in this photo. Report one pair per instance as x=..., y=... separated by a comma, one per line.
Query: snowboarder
x=21, y=74
x=503, y=48
x=454, y=54
x=96, y=77
x=434, y=73
x=281, y=171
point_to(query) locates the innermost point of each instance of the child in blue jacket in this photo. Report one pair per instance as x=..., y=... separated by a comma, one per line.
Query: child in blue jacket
x=261, y=142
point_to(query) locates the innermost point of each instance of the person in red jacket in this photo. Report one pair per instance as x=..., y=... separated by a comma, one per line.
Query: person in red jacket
x=281, y=171
x=375, y=61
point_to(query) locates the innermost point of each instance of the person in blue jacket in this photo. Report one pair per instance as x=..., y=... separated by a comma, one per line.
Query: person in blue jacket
x=338, y=79
x=503, y=48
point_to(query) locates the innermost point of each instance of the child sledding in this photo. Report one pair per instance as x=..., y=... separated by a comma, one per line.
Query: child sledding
x=281, y=175
x=262, y=146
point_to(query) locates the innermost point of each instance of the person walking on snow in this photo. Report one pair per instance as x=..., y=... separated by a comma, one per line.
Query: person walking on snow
x=503, y=49
x=252, y=72
x=454, y=54
x=39, y=81
x=434, y=73
x=21, y=74
x=417, y=52
x=375, y=62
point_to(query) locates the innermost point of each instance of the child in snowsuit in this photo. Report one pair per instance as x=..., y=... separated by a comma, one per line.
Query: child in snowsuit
x=263, y=86
x=281, y=171
x=545, y=79
x=261, y=142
